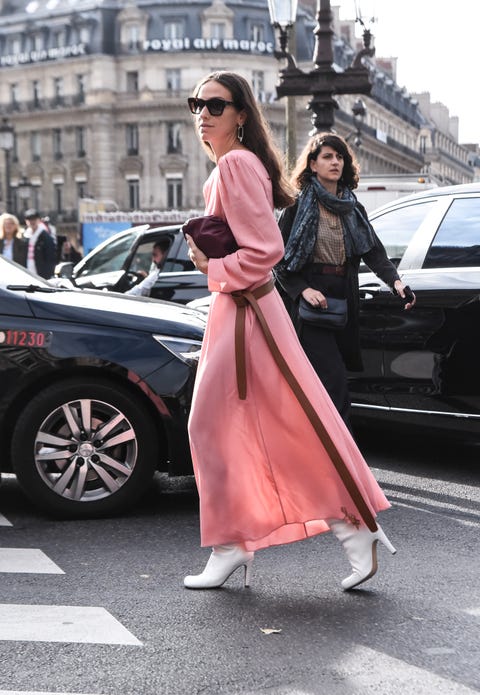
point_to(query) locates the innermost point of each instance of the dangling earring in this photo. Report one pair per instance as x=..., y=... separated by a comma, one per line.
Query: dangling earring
x=240, y=132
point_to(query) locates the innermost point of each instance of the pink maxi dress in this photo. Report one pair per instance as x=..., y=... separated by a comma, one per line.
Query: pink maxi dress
x=263, y=475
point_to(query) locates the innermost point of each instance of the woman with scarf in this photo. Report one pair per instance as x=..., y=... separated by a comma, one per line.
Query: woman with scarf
x=326, y=235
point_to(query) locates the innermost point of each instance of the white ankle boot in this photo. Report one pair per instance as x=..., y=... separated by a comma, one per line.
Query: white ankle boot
x=360, y=545
x=223, y=561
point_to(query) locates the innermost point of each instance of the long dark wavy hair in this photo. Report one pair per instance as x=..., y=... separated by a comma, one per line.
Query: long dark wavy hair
x=257, y=136
x=302, y=173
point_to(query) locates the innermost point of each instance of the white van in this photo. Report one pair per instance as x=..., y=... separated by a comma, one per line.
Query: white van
x=374, y=191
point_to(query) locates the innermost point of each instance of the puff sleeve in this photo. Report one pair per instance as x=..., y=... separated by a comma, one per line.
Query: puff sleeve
x=241, y=193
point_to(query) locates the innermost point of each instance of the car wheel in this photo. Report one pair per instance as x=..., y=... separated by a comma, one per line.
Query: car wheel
x=84, y=448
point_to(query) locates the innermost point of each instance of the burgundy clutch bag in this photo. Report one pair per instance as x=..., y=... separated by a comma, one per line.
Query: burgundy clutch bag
x=212, y=235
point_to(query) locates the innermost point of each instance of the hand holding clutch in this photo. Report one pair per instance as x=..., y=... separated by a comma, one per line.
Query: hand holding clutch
x=212, y=235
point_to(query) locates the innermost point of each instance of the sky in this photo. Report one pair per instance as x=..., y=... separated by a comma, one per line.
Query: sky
x=437, y=44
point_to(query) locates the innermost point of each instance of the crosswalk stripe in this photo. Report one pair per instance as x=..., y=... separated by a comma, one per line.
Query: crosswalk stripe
x=85, y=624
x=4, y=522
x=363, y=666
x=27, y=560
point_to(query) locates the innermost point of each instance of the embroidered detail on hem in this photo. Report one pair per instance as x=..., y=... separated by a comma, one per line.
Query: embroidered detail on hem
x=350, y=518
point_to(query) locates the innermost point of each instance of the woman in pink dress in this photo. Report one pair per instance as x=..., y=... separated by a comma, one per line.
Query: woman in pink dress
x=274, y=462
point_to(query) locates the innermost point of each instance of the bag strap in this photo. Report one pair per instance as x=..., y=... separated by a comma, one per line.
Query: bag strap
x=242, y=299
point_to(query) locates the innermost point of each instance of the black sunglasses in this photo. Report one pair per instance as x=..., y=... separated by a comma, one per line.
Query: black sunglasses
x=216, y=105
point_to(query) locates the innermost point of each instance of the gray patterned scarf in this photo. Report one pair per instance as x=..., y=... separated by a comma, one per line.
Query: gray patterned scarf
x=358, y=233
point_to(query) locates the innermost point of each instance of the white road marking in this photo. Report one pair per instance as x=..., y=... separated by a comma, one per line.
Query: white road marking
x=4, y=522
x=28, y=560
x=83, y=624
x=362, y=667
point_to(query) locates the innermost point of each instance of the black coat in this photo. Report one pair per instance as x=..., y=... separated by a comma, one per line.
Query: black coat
x=20, y=248
x=45, y=255
x=292, y=284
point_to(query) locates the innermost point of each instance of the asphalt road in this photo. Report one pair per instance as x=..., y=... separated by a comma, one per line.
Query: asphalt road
x=98, y=607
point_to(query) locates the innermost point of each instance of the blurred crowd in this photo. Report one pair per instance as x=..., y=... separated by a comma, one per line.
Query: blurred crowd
x=35, y=245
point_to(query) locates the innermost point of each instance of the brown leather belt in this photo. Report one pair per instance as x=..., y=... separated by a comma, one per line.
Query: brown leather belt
x=328, y=269
x=242, y=299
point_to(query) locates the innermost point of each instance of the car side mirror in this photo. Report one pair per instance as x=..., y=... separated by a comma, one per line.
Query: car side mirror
x=64, y=270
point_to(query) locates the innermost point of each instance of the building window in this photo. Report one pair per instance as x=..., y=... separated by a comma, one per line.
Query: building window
x=84, y=35
x=58, y=197
x=258, y=84
x=174, y=144
x=423, y=144
x=133, y=37
x=58, y=89
x=59, y=39
x=257, y=32
x=14, y=45
x=132, y=138
x=217, y=30
x=57, y=143
x=37, y=42
x=36, y=93
x=173, y=30
x=81, y=88
x=35, y=146
x=14, y=94
x=80, y=141
x=132, y=81
x=82, y=189
x=133, y=194
x=173, y=79
x=174, y=192
x=36, y=197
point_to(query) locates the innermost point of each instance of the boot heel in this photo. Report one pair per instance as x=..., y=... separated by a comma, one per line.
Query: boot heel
x=384, y=540
x=248, y=572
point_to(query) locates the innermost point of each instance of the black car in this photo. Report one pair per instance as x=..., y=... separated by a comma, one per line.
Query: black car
x=123, y=260
x=422, y=367
x=95, y=393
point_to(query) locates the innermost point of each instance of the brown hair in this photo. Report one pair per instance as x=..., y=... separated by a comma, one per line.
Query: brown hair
x=302, y=173
x=8, y=216
x=257, y=136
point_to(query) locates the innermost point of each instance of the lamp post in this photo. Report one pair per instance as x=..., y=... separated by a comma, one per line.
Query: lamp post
x=359, y=111
x=7, y=141
x=282, y=16
x=323, y=82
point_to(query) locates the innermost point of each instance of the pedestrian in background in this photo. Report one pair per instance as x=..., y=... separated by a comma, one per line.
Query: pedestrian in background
x=67, y=252
x=41, y=254
x=12, y=245
x=273, y=460
x=326, y=234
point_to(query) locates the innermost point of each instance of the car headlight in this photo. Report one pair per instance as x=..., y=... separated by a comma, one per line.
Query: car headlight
x=185, y=349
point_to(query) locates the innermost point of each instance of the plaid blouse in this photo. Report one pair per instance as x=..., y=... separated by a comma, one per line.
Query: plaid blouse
x=329, y=247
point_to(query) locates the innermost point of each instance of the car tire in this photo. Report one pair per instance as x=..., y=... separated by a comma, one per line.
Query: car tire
x=84, y=448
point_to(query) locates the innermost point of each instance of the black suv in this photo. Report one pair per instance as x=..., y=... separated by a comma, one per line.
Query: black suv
x=95, y=394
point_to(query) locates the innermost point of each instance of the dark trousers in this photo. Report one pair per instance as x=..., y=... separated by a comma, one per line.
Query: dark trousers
x=321, y=346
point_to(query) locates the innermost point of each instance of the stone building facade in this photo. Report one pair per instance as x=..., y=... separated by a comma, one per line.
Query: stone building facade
x=96, y=93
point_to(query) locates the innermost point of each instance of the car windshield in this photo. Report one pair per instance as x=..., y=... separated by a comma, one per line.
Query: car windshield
x=110, y=258
x=13, y=274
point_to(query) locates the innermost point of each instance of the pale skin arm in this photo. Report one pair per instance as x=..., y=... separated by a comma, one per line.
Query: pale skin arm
x=316, y=298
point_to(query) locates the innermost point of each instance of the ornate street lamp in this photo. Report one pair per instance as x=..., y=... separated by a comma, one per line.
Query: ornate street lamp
x=283, y=14
x=7, y=142
x=359, y=111
x=323, y=82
